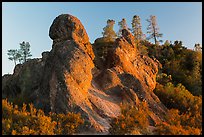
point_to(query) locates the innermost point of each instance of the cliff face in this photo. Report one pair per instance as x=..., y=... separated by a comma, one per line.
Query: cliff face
x=66, y=78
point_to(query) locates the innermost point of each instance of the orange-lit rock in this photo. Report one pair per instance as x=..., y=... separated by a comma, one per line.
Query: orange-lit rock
x=66, y=79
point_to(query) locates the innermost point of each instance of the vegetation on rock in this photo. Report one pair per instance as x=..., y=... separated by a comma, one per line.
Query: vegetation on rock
x=21, y=55
x=161, y=84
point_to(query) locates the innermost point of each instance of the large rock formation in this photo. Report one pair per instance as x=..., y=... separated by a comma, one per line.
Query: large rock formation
x=66, y=79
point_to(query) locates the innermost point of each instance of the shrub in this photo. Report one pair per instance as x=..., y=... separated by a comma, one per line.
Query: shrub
x=184, y=65
x=67, y=124
x=175, y=96
x=178, y=124
x=132, y=118
x=185, y=115
x=24, y=121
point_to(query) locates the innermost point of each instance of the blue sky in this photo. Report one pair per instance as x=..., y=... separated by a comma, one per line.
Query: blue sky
x=30, y=21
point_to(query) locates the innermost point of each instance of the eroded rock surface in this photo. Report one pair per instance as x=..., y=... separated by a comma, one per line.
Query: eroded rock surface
x=66, y=78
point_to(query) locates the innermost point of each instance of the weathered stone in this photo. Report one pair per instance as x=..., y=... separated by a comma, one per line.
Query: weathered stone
x=66, y=78
x=25, y=81
x=66, y=27
x=45, y=55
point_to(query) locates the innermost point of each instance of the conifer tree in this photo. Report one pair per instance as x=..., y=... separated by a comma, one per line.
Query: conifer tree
x=25, y=50
x=122, y=25
x=13, y=55
x=109, y=33
x=153, y=29
x=137, y=28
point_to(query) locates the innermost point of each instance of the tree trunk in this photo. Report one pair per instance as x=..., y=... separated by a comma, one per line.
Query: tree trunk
x=24, y=58
x=154, y=31
x=155, y=39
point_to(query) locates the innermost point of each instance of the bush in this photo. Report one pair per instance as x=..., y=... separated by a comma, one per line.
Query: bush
x=178, y=124
x=184, y=65
x=185, y=115
x=177, y=97
x=66, y=124
x=131, y=119
x=20, y=121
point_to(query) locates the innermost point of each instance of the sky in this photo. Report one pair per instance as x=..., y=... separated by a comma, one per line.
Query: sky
x=30, y=22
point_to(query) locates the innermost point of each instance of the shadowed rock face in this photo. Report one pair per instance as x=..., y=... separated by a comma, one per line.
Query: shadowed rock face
x=66, y=78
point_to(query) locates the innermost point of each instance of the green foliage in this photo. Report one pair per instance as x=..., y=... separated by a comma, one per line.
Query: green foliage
x=137, y=28
x=185, y=115
x=153, y=29
x=109, y=33
x=166, y=43
x=122, y=25
x=179, y=124
x=175, y=96
x=132, y=118
x=14, y=55
x=163, y=78
x=142, y=48
x=102, y=48
x=66, y=124
x=184, y=65
x=21, y=54
x=21, y=121
x=25, y=50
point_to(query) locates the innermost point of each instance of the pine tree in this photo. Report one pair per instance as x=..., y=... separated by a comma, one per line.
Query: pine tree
x=109, y=33
x=153, y=29
x=13, y=55
x=122, y=25
x=25, y=50
x=138, y=35
x=137, y=28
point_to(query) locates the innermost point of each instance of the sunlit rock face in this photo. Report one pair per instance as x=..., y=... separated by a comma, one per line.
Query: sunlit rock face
x=66, y=78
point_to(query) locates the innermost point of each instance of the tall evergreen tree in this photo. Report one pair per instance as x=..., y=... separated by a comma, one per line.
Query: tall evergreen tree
x=138, y=35
x=153, y=29
x=25, y=50
x=122, y=25
x=137, y=28
x=21, y=54
x=13, y=55
x=109, y=32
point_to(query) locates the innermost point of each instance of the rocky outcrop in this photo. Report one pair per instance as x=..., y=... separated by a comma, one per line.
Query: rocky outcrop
x=24, y=84
x=101, y=48
x=131, y=77
x=67, y=79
